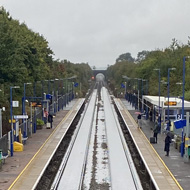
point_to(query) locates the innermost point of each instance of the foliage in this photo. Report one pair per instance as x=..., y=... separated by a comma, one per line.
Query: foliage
x=143, y=68
x=125, y=57
x=25, y=56
x=39, y=122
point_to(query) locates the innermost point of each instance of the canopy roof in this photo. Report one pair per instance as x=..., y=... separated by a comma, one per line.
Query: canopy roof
x=177, y=102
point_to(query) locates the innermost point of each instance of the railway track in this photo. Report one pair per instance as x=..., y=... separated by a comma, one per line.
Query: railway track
x=94, y=153
x=97, y=145
x=97, y=156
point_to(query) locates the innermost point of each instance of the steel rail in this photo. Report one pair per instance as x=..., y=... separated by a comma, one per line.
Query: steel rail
x=124, y=172
x=87, y=148
x=41, y=174
x=146, y=166
x=78, y=182
x=128, y=154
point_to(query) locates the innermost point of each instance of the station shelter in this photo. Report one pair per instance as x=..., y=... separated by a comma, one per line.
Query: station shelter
x=151, y=103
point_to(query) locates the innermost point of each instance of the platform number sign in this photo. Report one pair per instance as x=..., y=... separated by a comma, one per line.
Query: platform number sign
x=179, y=116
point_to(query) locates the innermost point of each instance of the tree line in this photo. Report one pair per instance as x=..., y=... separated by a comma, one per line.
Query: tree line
x=25, y=56
x=143, y=68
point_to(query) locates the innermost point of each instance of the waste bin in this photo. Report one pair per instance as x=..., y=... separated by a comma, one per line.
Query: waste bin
x=18, y=147
x=188, y=150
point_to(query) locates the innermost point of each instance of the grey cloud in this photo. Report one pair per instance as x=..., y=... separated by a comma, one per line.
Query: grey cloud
x=98, y=31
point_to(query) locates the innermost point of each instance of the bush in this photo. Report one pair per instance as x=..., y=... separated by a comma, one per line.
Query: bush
x=40, y=122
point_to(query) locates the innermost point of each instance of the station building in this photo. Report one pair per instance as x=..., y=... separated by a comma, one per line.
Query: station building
x=151, y=103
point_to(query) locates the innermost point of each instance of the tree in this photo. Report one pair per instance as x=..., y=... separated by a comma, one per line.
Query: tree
x=125, y=57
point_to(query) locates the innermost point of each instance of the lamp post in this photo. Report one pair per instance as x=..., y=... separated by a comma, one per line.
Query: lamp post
x=125, y=89
x=1, y=129
x=183, y=96
x=23, y=107
x=136, y=93
x=11, y=114
x=146, y=101
x=159, y=115
x=57, y=95
x=183, y=99
x=142, y=96
x=71, y=89
x=142, y=105
x=127, y=78
x=169, y=69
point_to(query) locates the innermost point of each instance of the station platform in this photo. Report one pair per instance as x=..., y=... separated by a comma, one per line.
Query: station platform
x=174, y=162
x=16, y=165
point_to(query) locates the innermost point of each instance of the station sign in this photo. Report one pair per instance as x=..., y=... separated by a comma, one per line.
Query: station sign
x=173, y=103
x=35, y=104
x=122, y=85
x=180, y=123
x=178, y=116
x=48, y=96
x=76, y=84
x=15, y=104
x=20, y=116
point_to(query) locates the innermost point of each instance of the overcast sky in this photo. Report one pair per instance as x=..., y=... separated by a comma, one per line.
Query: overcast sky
x=98, y=31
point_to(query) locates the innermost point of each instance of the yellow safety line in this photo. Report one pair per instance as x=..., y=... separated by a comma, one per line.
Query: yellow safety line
x=40, y=149
x=156, y=152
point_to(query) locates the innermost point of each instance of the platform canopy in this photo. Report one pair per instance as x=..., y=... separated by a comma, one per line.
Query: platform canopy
x=174, y=102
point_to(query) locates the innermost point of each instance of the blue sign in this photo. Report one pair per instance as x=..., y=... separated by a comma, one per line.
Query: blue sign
x=76, y=84
x=180, y=123
x=122, y=85
x=48, y=96
x=178, y=116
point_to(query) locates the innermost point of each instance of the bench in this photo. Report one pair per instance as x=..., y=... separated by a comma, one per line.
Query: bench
x=2, y=160
x=24, y=140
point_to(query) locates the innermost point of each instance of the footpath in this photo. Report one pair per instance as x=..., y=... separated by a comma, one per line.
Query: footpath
x=174, y=162
x=14, y=165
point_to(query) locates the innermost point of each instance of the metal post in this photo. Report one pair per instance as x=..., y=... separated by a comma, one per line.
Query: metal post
x=183, y=99
x=11, y=121
x=159, y=114
x=23, y=109
x=183, y=96
x=0, y=123
x=11, y=114
x=73, y=91
x=168, y=117
x=31, y=117
x=80, y=88
x=48, y=87
x=186, y=156
x=125, y=89
x=146, y=100
x=138, y=94
x=142, y=98
x=168, y=98
x=34, y=89
x=42, y=82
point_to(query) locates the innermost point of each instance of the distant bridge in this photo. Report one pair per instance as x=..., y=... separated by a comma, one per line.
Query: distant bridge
x=97, y=71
